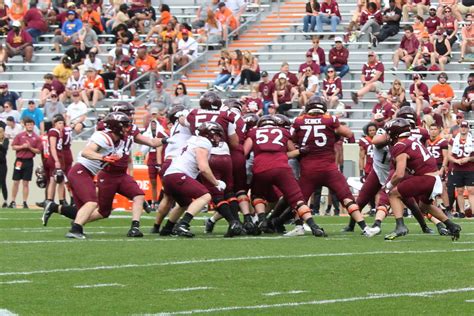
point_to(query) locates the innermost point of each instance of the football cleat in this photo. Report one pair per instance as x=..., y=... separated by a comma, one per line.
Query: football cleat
x=134, y=232
x=183, y=231
x=75, y=235
x=25, y=206
x=40, y=204
x=166, y=232
x=235, y=229
x=427, y=230
x=398, y=232
x=147, y=208
x=265, y=227
x=455, y=231
x=318, y=231
x=347, y=229
x=209, y=226
x=297, y=231
x=249, y=228
x=12, y=205
x=279, y=228
x=47, y=212
x=371, y=231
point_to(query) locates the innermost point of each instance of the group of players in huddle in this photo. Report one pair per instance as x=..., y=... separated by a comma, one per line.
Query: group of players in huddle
x=204, y=159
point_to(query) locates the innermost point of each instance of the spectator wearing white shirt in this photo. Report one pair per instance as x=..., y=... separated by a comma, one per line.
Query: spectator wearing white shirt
x=237, y=7
x=187, y=49
x=76, y=113
x=309, y=85
x=13, y=128
x=92, y=61
x=9, y=111
x=74, y=83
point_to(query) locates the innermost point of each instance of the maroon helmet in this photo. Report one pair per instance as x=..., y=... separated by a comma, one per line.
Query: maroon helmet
x=397, y=128
x=40, y=177
x=116, y=121
x=124, y=107
x=316, y=105
x=233, y=104
x=250, y=120
x=266, y=120
x=212, y=131
x=58, y=176
x=282, y=121
x=210, y=101
x=175, y=113
x=407, y=113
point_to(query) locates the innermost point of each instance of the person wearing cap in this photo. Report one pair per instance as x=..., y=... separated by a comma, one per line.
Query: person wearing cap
x=187, y=49
x=407, y=49
x=92, y=61
x=432, y=22
x=309, y=63
x=52, y=107
x=372, y=77
x=76, y=54
x=74, y=83
x=62, y=16
x=13, y=128
x=272, y=109
x=266, y=88
x=423, y=55
x=126, y=73
x=8, y=111
x=34, y=113
x=467, y=99
x=50, y=84
x=285, y=69
x=19, y=42
x=467, y=35
x=339, y=56
x=328, y=14
x=76, y=113
x=412, y=6
x=442, y=92
x=35, y=22
x=284, y=94
x=7, y=95
x=63, y=71
x=419, y=94
x=69, y=31
x=159, y=97
x=383, y=111
x=391, y=18
x=94, y=88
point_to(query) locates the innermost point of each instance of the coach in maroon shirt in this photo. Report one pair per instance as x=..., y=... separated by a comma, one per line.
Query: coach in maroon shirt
x=338, y=57
x=407, y=50
x=26, y=144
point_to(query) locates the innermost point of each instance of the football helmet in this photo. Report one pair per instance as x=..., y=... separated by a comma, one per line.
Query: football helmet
x=397, y=128
x=40, y=177
x=210, y=101
x=175, y=113
x=212, y=131
x=316, y=105
x=250, y=120
x=58, y=176
x=233, y=104
x=116, y=122
x=124, y=107
x=407, y=113
x=282, y=121
x=266, y=120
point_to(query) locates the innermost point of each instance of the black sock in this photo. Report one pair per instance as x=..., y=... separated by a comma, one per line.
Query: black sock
x=352, y=223
x=377, y=223
x=62, y=201
x=55, y=207
x=136, y=224
x=187, y=218
x=76, y=228
x=247, y=218
x=261, y=217
x=156, y=226
x=310, y=222
x=168, y=226
x=299, y=221
x=399, y=222
x=449, y=224
x=224, y=210
x=234, y=209
x=362, y=224
x=69, y=211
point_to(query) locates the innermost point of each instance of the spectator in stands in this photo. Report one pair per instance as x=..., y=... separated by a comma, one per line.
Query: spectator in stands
x=88, y=38
x=383, y=111
x=442, y=92
x=120, y=18
x=253, y=103
x=329, y=14
x=339, y=57
x=160, y=24
x=187, y=49
x=372, y=77
x=8, y=111
x=7, y=95
x=180, y=96
x=285, y=69
x=126, y=73
x=448, y=118
x=63, y=14
x=467, y=35
x=63, y=71
x=34, y=113
x=19, y=42
x=266, y=89
x=92, y=61
x=93, y=18
x=51, y=108
x=250, y=71
x=412, y=6
x=235, y=69
x=74, y=83
x=227, y=19
x=13, y=128
x=423, y=55
x=407, y=49
x=284, y=94
x=370, y=20
x=160, y=98
x=391, y=18
x=396, y=94
x=144, y=61
x=3, y=17
x=76, y=113
x=134, y=45
x=201, y=14
x=308, y=86
x=319, y=56
x=309, y=20
x=418, y=26
x=136, y=7
x=17, y=11
x=224, y=65
x=94, y=89
x=443, y=4
x=467, y=100
x=237, y=7
x=309, y=63
x=419, y=94
x=35, y=22
x=3, y=58
x=212, y=31
x=4, y=142
x=69, y=31
x=332, y=87
x=145, y=17
x=450, y=24
x=432, y=22
x=442, y=51
x=123, y=33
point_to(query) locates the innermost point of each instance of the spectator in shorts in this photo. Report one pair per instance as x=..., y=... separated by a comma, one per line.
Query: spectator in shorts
x=34, y=113
x=76, y=113
x=94, y=89
x=76, y=54
x=7, y=95
x=420, y=7
x=13, y=128
x=339, y=56
x=432, y=22
x=372, y=77
x=187, y=49
x=20, y=42
x=144, y=61
x=442, y=51
x=88, y=38
x=284, y=94
x=50, y=84
x=68, y=33
x=308, y=86
x=423, y=55
x=266, y=88
x=126, y=73
x=329, y=14
x=467, y=34
x=309, y=63
x=419, y=94
x=9, y=111
x=52, y=107
x=26, y=145
x=467, y=100
x=227, y=19
x=332, y=88
x=407, y=50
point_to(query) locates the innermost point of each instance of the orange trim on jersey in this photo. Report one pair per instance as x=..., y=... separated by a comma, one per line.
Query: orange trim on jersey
x=434, y=142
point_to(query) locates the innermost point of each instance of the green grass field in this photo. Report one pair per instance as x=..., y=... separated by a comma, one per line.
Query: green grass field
x=43, y=273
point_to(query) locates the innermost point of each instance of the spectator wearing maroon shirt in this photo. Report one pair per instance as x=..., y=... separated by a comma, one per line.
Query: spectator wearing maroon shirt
x=423, y=55
x=467, y=99
x=391, y=18
x=407, y=50
x=332, y=87
x=35, y=22
x=50, y=85
x=309, y=63
x=383, y=111
x=19, y=42
x=419, y=94
x=450, y=25
x=285, y=69
x=372, y=77
x=418, y=6
x=370, y=20
x=319, y=56
x=338, y=57
x=329, y=14
x=265, y=91
x=432, y=22
x=26, y=144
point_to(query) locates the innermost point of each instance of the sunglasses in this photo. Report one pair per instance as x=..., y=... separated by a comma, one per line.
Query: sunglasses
x=469, y=81
x=179, y=88
x=396, y=84
x=371, y=55
x=329, y=71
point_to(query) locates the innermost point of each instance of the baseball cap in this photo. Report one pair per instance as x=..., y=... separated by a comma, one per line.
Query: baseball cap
x=264, y=74
x=416, y=76
x=282, y=75
x=371, y=53
x=383, y=94
x=70, y=4
x=433, y=7
x=159, y=84
x=154, y=110
x=338, y=39
x=16, y=24
x=425, y=35
x=10, y=119
x=71, y=12
x=77, y=42
x=308, y=54
x=459, y=115
x=464, y=124
x=75, y=93
x=3, y=85
x=271, y=105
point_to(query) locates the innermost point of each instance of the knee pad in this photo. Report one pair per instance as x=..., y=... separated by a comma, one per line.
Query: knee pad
x=301, y=210
x=351, y=207
x=428, y=216
x=242, y=196
x=382, y=208
x=257, y=201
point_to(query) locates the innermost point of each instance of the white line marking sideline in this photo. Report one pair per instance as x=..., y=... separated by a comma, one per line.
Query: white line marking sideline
x=318, y=302
x=469, y=301
x=15, y=282
x=186, y=289
x=97, y=285
x=214, y=260
x=6, y=312
x=284, y=293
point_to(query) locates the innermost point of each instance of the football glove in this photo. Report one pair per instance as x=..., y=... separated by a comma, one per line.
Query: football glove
x=221, y=185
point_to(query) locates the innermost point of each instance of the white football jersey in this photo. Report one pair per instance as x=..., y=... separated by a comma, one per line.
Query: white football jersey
x=186, y=163
x=381, y=163
x=179, y=136
x=221, y=150
x=106, y=147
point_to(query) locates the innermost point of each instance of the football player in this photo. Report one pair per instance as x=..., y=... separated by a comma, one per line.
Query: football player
x=54, y=166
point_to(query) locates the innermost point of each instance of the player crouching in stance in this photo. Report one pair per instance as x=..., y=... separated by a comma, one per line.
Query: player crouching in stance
x=270, y=145
x=423, y=182
x=180, y=178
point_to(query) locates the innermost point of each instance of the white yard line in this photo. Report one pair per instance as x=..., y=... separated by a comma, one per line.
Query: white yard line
x=469, y=301
x=187, y=289
x=6, y=312
x=317, y=302
x=284, y=293
x=236, y=259
x=15, y=282
x=97, y=285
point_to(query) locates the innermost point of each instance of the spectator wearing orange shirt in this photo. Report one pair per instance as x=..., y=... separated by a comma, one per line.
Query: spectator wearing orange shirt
x=93, y=17
x=442, y=92
x=94, y=89
x=144, y=61
x=227, y=19
x=165, y=18
x=17, y=11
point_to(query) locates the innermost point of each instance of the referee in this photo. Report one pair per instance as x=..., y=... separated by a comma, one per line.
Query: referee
x=26, y=144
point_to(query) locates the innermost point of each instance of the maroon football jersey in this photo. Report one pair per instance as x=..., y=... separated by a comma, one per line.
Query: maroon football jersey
x=198, y=116
x=462, y=154
x=270, y=145
x=267, y=89
x=331, y=86
x=67, y=137
x=420, y=134
x=386, y=109
x=53, y=132
x=317, y=134
x=436, y=148
x=239, y=127
x=366, y=144
x=368, y=71
x=127, y=73
x=419, y=162
x=122, y=164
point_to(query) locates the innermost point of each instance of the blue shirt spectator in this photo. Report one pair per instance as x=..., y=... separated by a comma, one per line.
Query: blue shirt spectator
x=72, y=24
x=35, y=114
